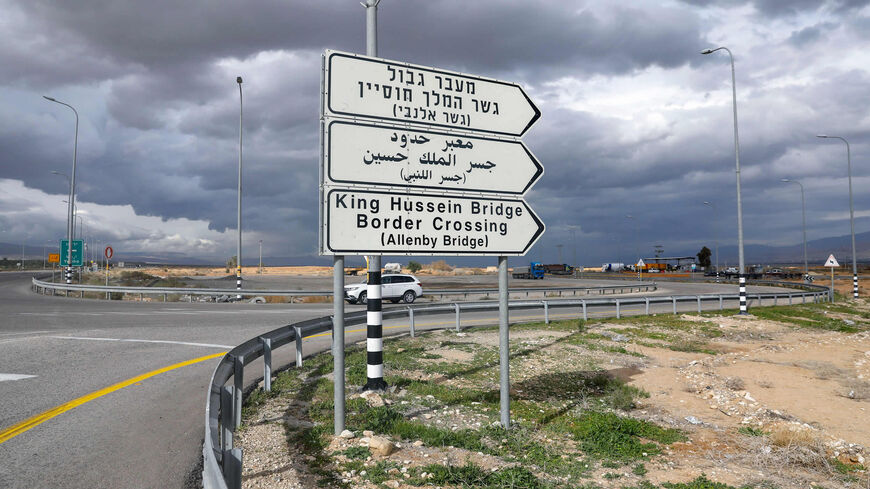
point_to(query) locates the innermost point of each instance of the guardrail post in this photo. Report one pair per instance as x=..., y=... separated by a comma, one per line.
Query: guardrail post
x=774, y=298
x=411, y=320
x=226, y=419
x=721, y=305
x=456, y=306
x=617, y=308
x=803, y=298
x=140, y=297
x=164, y=297
x=585, y=317
x=674, y=299
x=699, y=304
x=238, y=382
x=233, y=468
x=267, y=364
x=789, y=299
x=298, y=331
x=546, y=312
x=646, y=299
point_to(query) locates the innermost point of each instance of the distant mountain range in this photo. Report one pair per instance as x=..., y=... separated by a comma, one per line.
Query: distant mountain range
x=817, y=252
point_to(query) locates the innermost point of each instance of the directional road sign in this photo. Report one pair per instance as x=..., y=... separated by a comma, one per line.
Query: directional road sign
x=365, y=221
x=364, y=154
x=360, y=86
x=832, y=262
x=76, y=253
x=53, y=257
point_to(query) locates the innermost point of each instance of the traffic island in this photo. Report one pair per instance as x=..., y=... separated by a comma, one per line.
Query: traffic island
x=691, y=401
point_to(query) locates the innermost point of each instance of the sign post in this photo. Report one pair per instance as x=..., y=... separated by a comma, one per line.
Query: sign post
x=108, y=254
x=639, y=266
x=832, y=263
x=420, y=161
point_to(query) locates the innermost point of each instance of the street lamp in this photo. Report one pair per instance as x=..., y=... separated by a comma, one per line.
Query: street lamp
x=715, y=234
x=261, y=256
x=741, y=263
x=239, y=243
x=804, y=214
x=72, y=190
x=851, y=212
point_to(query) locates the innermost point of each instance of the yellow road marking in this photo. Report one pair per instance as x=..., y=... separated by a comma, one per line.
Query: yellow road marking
x=29, y=423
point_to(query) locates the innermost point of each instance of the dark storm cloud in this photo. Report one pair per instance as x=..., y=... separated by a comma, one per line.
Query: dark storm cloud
x=161, y=118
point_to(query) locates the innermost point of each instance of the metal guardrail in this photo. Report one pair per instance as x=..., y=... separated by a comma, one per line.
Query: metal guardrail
x=43, y=287
x=222, y=462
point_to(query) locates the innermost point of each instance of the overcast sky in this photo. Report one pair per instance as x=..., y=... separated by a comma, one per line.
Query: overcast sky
x=635, y=120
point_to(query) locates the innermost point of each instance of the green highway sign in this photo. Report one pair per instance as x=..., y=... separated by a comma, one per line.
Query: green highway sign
x=76, y=253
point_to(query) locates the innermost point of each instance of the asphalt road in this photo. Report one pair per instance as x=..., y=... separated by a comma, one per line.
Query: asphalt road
x=69, y=355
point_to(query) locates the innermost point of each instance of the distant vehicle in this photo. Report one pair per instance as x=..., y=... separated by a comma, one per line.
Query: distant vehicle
x=393, y=267
x=612, y=267
x=395, y=287
x=559, y=269
x=534, y=271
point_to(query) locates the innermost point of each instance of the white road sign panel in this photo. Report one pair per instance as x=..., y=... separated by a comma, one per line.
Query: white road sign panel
x=832, y=262
x=365, y=154
x=640, y=263
x=360, y=86
x=372, y=222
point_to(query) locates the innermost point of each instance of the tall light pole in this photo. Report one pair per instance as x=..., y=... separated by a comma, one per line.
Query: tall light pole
x=715, y=234
x=261, y=256
x=239, y=216
x=851, y=212
x=804, y=214
x=72, y=189
x=740, y=259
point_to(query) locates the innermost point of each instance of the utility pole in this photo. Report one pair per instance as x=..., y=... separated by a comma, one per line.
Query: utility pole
x=239, y=215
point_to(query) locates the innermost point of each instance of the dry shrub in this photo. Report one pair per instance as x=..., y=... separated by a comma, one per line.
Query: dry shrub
x=764, y=384
x=734, y=383
x=275, y=299
x=315, y=299
x=856, y=389
x=822, y=370
x=792, y=436
x=440, y=266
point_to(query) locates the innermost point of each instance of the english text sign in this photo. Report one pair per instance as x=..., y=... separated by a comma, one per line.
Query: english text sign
x=363, y=221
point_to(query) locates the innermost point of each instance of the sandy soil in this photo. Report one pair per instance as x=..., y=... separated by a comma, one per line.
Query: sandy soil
x=807, y=390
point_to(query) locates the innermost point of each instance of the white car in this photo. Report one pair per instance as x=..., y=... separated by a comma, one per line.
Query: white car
x=395, y=287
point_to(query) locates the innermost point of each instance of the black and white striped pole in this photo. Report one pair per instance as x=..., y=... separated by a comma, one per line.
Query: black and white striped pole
x=239, y=215
x=742, y=263
x=374, y=314
x=375, y=328
x=851, y=212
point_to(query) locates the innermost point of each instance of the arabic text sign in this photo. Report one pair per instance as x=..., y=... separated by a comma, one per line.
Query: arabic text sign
x=76, y=253
x=53, y=257
x=359, y=86
x=376, y=155
x=362, y=221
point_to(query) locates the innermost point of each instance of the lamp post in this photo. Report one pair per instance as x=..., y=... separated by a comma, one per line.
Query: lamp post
x=72, y=189
x=715, y=234
x=804, y=214
x=636, y=248
x=741, y=262
x=851, y=212
x=239, y=243
x=261, y=256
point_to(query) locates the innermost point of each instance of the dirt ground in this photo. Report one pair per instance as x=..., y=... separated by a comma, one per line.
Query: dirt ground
x=762, y=403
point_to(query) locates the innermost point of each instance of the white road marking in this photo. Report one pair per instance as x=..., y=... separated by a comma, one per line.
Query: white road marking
x=15, y=377
x=130, y=340
x=25, y=332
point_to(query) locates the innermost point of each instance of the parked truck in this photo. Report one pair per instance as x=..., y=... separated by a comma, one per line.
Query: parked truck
x=534, y=271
